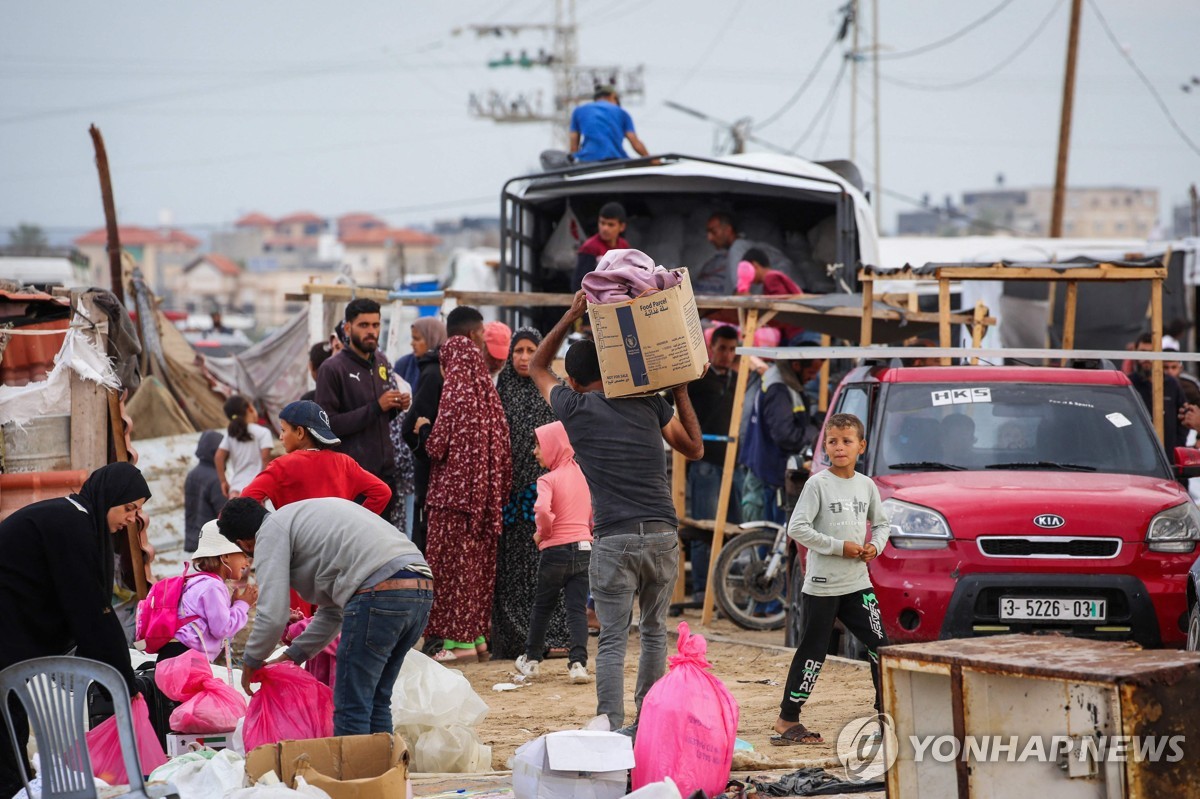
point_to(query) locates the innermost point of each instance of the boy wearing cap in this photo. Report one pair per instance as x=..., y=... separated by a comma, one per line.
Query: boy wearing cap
x=311, y=468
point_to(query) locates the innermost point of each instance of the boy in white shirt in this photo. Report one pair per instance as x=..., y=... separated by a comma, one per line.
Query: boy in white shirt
x=830, y=521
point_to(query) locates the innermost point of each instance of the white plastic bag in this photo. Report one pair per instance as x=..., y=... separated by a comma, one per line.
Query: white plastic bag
x=455, y=749
x=280, y=791
x=564, y=243
x=427, y=695
x=201, y=776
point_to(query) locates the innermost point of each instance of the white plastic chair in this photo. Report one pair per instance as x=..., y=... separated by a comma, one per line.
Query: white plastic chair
x=53, y=691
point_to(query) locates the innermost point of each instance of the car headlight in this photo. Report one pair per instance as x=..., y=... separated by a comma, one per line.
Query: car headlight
x=916, y=527
x=1176, y=529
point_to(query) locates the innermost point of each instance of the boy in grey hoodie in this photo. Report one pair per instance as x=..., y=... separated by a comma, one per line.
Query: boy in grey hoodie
x=830, y=521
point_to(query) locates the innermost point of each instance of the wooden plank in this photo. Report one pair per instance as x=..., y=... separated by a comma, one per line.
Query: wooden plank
x=1156, y=367
x=1069, y=312
x=977, y=328
x=1108, y=273
x=944, y=316
x=735, y=421
x=868, y=313
x=317, y=334
x=679, y=466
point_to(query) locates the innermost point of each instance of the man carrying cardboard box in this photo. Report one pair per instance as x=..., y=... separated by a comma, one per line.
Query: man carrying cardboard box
x=365, y=580
x=618, y=445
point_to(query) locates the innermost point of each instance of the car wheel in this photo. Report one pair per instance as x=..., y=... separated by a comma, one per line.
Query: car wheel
x=1193, y=630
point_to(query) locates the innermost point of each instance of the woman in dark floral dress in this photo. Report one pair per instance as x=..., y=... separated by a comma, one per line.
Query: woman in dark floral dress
x=517, y=560
x=470, y=478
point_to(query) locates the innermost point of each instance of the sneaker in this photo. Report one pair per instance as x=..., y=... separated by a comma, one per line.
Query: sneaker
x=527, y=667
x=579, y=673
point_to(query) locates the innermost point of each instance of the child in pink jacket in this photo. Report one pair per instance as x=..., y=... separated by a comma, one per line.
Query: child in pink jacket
x=563, y=513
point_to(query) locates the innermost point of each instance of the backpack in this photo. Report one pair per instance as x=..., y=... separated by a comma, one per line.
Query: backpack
x=158, y=614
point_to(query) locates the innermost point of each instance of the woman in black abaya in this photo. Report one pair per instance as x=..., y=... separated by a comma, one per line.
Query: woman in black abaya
x=56, y=583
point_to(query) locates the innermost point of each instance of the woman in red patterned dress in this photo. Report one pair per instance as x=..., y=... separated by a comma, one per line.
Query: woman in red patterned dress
x=469, y=482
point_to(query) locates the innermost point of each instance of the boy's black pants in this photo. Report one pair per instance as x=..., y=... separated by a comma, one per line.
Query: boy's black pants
x=859, y=613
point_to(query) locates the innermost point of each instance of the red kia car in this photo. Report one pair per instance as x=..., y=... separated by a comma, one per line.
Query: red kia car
x=1022, y=499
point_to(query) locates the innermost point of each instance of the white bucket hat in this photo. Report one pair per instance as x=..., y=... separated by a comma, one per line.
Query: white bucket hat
x=213, y=544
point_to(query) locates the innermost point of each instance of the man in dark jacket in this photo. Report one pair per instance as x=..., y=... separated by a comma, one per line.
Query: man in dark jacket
x=461, y=321
x=202, y=497
x=782, y=424
x=1175, y=403
x=354, y=388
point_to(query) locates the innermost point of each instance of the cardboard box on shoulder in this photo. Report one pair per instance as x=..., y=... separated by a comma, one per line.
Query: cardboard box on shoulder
x=345, y=767
x=651, y=343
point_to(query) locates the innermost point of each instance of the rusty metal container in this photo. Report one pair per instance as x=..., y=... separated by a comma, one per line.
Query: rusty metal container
x=1113, y=720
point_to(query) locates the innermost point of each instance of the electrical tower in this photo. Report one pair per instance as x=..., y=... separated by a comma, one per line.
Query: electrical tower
x=572, y=83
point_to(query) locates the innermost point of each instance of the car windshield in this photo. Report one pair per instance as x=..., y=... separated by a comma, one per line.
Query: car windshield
x=1016, y=426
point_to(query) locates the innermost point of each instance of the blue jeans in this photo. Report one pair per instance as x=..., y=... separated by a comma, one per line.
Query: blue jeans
x=378, y=629
x=562, y=570
x=625, y=564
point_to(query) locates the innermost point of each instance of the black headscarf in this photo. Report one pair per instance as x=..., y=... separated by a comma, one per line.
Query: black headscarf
x=525, y=409
x=105, y=488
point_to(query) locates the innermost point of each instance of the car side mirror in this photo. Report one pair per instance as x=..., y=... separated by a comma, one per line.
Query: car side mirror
x=1187, y=462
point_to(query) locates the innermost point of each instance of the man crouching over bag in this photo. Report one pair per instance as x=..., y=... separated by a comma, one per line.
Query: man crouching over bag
x=357, y=569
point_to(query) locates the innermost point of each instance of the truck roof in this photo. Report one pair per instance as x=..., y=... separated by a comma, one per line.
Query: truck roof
x=991, y=374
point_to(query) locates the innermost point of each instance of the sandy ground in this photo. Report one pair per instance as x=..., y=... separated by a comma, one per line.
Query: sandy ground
x=552, y=703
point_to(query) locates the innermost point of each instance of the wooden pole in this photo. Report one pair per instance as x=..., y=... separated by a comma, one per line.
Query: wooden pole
x=679, y=466
x=1068, y=342
x=823, y=390
x=1064, y=128
x=977, y=327
x=116, y=273
x=735, y=423
x=868, y=312
x=944, y=315
x=1156, y=367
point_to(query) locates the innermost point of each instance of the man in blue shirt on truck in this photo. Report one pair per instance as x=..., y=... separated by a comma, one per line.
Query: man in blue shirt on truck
x=599, y=129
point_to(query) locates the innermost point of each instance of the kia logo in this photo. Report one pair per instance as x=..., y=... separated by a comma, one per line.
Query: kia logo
x=1049, y=520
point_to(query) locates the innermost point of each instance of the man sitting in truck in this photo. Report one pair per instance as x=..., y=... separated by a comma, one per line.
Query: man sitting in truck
x=718, y=275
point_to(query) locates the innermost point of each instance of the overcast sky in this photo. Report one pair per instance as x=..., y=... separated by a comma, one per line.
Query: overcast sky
x=214, y=109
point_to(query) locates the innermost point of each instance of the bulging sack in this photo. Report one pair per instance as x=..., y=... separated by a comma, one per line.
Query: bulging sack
x=209, y=705
x=104, y=745
x=290, y=704
x=687, y=727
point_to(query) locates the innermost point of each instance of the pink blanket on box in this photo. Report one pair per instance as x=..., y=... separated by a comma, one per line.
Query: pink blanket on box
x=625, y=274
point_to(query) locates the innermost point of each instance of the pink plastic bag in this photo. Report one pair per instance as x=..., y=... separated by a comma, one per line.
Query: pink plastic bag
x=209, y=705
x=104, y=745
x=290, y=705
x=688, y=725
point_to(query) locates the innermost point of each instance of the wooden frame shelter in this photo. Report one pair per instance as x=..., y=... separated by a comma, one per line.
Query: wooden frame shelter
x=840, y=318
x=1070, y=273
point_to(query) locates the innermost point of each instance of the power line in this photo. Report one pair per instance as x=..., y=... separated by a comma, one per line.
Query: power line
x=947, y=40
x=805, y=84
x=1142, y=76
x=945, y=87
x=825, y=105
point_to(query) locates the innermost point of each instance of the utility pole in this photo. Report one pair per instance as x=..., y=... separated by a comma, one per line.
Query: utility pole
x=572, y=83
x=1064, y=130
x=853, y=78
x=877, y=196
x=1195, y=198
